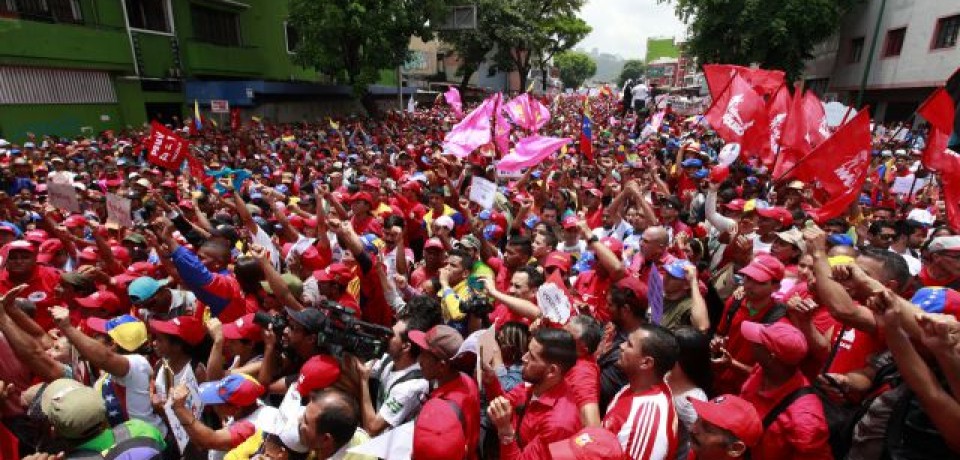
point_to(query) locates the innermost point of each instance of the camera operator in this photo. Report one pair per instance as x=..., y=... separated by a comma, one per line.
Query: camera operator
x=298, y=343
x=396, y=383
x=521, y=298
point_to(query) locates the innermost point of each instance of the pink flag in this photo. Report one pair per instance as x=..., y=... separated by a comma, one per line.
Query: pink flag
x=502, y=128
x=527, y=112
x=472, y=132
x=530, y=151
x=452, y=96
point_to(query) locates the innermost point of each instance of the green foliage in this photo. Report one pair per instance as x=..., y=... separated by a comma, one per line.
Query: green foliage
x=355, y=39
x=533, y=31
x=575, y=68
x=473, y=46
x=661, y=47
x=632, y=68
x=775, y=34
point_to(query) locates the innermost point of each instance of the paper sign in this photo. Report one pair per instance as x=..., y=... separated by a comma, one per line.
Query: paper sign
x=118, y=210
x=193, y=403
x=483, y=192
x=220, y=106
x=554, y=303
x=63, y=196
x=902, y=185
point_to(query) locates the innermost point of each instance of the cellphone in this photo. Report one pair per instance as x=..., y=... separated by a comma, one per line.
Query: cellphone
x=474, y=282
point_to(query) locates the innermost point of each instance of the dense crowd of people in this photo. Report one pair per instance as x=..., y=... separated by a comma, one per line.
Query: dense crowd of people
x=317, y=288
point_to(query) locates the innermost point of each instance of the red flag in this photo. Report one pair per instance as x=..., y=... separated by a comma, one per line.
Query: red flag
x=764, y=82
x=165, y=148
x=234, y=118
x=735, y=111
x=777, y=110
x=793, y=138
x=816, y=119
x=838, y=167
x=940, y=111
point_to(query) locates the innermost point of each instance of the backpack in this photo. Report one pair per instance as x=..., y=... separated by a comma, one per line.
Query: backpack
x=911, y=435
x=380, y=397
x=126, y=446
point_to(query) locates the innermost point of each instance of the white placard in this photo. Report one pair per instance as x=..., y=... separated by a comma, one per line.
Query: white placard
x=901, y=185
x=63, y=196
x=554, y=303
x=220, y=106
x=483, y=192
x=118, y=210
x=193, y=403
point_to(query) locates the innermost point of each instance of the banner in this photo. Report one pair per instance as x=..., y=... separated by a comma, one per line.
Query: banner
x=118, y=210
x=63, y=196
x=164, y=148
x=530, y=151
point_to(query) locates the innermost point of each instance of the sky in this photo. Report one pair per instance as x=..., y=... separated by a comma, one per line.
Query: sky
x=623, y=26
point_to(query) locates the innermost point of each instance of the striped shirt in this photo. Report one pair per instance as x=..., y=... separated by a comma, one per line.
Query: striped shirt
x=645, y=422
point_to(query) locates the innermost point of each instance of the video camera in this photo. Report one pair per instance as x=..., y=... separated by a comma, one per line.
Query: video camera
x=342, y=332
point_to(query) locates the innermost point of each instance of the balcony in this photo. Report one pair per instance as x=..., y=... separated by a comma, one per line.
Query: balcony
x=207, y=59
x=68, y=45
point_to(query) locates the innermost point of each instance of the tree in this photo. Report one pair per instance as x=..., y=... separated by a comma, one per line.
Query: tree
x=776, y=35
x=529, y=32
x=473, y=47
x=632, y=68
x=575, y=68
x=358, y=38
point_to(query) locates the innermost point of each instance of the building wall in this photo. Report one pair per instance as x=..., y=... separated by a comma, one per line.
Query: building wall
x=895, y=85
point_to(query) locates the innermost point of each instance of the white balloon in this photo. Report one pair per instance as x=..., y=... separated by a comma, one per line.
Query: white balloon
x=729, y=153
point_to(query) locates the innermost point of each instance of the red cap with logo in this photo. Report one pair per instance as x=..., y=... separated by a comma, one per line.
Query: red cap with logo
x=243, y=328
x=731, y=413
x=317, y=373
x=777, y=213
x=558, y=259
x=102, y=299
x=589, y=443
x=336, y=272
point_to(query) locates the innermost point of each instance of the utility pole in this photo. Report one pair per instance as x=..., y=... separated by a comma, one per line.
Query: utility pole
x=873, y=47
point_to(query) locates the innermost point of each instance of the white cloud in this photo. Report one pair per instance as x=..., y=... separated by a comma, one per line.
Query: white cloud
x=623, y=26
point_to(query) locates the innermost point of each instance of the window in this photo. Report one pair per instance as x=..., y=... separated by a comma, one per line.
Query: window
x=215, y=26
x=148, y=15
x=894, y=42
x=856, y=50
x=34, y=85
x=946, y=33
x=63, y=11
x=292, y=37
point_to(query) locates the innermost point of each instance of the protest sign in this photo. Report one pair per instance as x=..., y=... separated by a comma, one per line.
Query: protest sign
x=483, y=192
x=904, y=185
x=554, y=303
x=118, y=210
x=63, y=196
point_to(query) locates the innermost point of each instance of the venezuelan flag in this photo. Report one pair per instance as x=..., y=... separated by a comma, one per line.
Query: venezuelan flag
x=586, y=133
x=197, y=120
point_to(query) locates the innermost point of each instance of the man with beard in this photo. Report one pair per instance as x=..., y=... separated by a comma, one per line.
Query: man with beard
x=545, y=411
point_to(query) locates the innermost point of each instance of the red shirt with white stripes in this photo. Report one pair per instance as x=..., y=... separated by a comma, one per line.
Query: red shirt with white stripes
x=645, y=422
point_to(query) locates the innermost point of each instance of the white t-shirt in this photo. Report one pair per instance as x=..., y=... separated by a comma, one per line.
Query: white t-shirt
x=687, y=416
x=619, y=231
x=577, y=249
x=136, y=391
x=404, y=398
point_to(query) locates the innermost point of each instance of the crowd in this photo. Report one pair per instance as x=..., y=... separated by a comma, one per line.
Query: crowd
x=326, y=286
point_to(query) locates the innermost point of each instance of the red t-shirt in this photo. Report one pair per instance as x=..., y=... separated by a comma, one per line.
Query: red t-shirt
x=593, y=289
x=464, y=393
x=364, y=225
x=729, y=380
x=799, y=432
x=41, y=289
x=583, y=381
x=373, y=302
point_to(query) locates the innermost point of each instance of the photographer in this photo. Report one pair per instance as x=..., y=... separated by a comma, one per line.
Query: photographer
x=299, y=343
x=521, y=298
x=396, y=384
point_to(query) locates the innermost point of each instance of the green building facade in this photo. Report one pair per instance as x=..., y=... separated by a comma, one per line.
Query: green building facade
x=74, y=66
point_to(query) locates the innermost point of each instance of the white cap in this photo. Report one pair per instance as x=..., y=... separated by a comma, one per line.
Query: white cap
x=4, y=143
x=922, y=216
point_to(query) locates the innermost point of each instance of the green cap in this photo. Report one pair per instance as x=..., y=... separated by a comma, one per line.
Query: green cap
x=294, y=284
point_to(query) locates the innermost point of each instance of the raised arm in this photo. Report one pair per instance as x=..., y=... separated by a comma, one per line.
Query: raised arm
x=90, y=349
x=605, y=257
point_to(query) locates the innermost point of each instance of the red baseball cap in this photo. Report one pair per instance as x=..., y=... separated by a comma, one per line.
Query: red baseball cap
x=588, y=443
x=143, y=269
x=441, y=341
x=614, y=245
x=736, y=204
x=75, y=220
x=434, y=243
x=731, y=413
x=633, y=284
x=106, y=300
x=438, y=433
x=785, y=341
x=243, y=328
x=373, y=182
x=558, y=259
x=188, y=328
x=89, y=253
x=36, y=236
x=335, y=272
x=777, y=213
x=764, y=268
x=362, y=196
x=317, y=373
x=570, y=222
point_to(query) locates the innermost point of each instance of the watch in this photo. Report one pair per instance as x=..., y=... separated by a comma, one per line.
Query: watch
x=593, y=239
